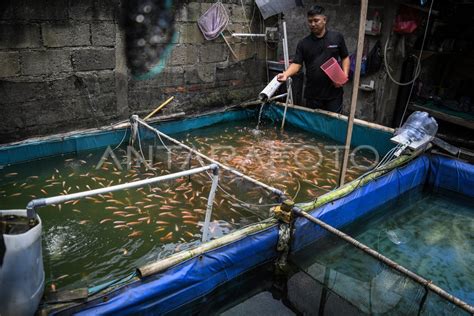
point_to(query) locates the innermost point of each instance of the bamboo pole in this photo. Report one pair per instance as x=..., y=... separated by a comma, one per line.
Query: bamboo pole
x=392, y=264
x=162, y=105
x=230, y=48
x=334, y=115
x=163, y=264
x=355, y=90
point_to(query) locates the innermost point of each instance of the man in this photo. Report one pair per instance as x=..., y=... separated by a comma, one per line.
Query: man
x=313, y=51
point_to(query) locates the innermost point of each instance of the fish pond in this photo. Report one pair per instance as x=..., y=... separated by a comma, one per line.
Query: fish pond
x=97, y=239
x=429, y=233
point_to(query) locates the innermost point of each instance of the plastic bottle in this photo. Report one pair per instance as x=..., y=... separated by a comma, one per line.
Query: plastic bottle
x=418, y=125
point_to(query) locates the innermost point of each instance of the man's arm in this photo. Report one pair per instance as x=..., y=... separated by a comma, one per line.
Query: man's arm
x=346, y=64
x=292, y=70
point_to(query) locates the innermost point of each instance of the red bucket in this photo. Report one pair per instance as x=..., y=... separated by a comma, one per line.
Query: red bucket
x=334, y=71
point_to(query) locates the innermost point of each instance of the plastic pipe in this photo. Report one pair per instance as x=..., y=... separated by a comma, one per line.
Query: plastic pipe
x=32, y=205
x=210, y=202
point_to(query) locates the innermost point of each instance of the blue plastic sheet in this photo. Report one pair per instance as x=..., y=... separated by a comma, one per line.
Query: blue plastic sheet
x=362, y=201
x=452, y=175
x=196, y=277
x=57, y=145
x=187, y=281
x=332, y=128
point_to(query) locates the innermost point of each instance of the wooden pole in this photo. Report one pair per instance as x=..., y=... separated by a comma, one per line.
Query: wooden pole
x=355, y=90
x=162, y=105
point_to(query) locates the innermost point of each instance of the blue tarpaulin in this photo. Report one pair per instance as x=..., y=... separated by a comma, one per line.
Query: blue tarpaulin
x=183, y=283
x=76, y=142
x=332, y=127
x=198, y=276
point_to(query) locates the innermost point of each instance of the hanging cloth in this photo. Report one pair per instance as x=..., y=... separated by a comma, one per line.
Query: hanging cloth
x=214, y=21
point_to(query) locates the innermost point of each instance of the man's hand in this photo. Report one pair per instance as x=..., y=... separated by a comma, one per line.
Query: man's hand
x=338, y=85
x=282, y=77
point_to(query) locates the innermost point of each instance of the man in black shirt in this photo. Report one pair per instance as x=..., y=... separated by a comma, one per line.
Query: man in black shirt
x=313, y=51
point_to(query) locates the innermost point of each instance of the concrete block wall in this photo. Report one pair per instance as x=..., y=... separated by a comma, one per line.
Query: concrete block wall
x=343, y=16
x=62, y=66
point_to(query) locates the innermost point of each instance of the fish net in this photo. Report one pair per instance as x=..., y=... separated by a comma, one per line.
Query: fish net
x=337, y=278
x=213, y=21
x=238, y=202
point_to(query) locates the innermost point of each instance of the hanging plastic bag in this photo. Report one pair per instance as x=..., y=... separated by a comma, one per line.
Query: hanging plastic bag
x=406, y=21
x=213, y=21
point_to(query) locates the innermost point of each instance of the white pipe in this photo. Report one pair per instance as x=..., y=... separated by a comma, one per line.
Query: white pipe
x=247, y=35
x=32, y=205
x=210, y=201
x=285, y=47
x=289, y=97
x=237, y=173
x=278, y=96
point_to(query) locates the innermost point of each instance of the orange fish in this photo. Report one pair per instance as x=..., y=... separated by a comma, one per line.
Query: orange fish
x=135, y=233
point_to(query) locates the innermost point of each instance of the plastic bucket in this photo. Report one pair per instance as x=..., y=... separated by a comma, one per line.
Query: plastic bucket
x=334, y=71
x=22, y=274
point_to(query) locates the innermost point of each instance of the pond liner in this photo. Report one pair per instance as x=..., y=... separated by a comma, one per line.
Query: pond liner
x=320, y=122
x=197, y=276
x=198, y=273
x=73, y=142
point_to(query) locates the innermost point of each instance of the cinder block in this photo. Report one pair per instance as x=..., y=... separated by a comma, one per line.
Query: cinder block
x=19, y=36
x=40, y=10
x=45, y=62
x=183, y=54
x=21, y=91
x=232, y=72
x=333, y=2
x=206, y=72
x=75, y=85
x=103, y=33
x=9, y=64
x=190, y=33
x=193, y=10
x=66, y=34
x=239, y=15
x=93, y=10
x=171, y=76
x=243, y=51
x=181, y=14
x=93, y=59
x=8, y=10
x=213, y=53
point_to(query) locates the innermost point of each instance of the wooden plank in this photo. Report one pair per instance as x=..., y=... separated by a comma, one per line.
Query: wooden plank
x=355, y=90
x=443, y=116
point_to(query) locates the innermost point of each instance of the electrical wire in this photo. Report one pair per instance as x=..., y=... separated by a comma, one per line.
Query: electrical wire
x=387, y=68
x=419, y=60
x=123, y=138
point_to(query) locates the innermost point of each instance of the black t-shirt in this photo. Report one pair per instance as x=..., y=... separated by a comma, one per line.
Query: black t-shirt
x=313, y=52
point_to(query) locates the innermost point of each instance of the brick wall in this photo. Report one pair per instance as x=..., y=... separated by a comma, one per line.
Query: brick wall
x=62, y=66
